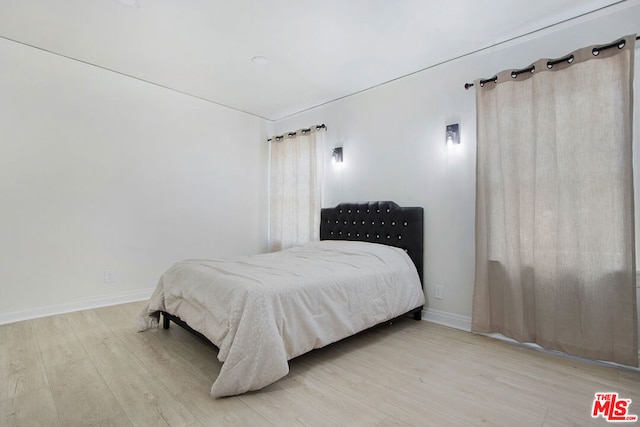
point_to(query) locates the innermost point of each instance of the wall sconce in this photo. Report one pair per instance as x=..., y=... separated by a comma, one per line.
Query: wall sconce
x=336, y=156
x=453, y=134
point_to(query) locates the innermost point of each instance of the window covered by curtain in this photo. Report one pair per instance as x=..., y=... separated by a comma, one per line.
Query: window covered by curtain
x=555, y=257
x=295, y=196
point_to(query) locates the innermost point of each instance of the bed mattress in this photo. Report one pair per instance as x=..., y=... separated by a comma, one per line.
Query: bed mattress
x=262, y=310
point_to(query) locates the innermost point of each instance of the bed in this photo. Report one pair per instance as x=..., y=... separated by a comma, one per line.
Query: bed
x=263, y=310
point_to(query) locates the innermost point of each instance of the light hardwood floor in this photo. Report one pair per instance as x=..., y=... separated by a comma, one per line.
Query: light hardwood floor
x=92, y=368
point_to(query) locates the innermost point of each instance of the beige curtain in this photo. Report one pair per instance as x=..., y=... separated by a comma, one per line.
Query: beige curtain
x=555, y=257
x=295, y=182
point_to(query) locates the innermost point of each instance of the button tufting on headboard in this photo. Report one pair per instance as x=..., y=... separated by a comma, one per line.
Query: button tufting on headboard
x=375, y=222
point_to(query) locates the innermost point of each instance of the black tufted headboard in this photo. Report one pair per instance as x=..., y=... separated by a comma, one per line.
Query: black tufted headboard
x=377, y=222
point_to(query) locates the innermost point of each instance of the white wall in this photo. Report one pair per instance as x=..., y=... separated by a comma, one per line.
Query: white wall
x=393, y=138
x=101, y=171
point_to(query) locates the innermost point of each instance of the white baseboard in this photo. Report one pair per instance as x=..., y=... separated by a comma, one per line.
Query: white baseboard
x=447, y=319
x=77, y=305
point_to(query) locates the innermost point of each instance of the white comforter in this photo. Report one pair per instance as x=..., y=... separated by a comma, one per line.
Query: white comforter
x=263, y=310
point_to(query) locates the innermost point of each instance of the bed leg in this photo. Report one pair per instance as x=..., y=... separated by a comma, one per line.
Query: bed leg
x=165, y=321
x=417, y=315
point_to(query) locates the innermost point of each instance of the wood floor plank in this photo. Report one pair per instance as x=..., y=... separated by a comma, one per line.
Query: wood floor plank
x=408, y=393
x=21, y=367
x=174, y=342
x=185, y=366
x=281, y=408
x=92, y=368
x=430, y=382
x=561, y=418
x=81, y=396
x=56, y=340
x=392, y=421
x=144, y=398
x=452, y=400
x=343, y=409
x=178, y=374
x=33, y=408
x=231, y=412
x=87, y=325
x=397, y=403
x=120, y=317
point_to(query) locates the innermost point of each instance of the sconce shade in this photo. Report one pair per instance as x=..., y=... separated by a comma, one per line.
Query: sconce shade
x=453, y=134
x=336, y=156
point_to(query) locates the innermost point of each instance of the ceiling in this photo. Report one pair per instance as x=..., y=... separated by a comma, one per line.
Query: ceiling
x=318, y=51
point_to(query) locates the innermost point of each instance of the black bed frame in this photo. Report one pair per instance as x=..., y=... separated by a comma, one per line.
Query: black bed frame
x=376, y=222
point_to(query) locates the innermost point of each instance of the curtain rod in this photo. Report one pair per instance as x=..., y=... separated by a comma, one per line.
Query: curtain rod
x=302, y=131
x=569, y=59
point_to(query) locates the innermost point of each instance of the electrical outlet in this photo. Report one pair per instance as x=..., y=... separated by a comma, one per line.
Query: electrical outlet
x=439, y=292
x=108, y=276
